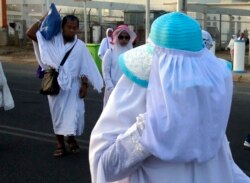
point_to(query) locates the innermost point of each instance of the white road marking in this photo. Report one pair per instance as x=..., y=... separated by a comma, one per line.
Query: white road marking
x=37, y=92
x=35, y=135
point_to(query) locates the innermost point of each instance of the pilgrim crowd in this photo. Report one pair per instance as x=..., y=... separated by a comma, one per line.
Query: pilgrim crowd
x=166, y=103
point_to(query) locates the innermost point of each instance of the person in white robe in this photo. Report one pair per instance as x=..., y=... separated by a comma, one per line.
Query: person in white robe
x=106, y=43
x=230, y=46
x=6, y=99
x=207, y=39
x=241, y=37
x=165, y=121
x=123, y=39
x=67, y=108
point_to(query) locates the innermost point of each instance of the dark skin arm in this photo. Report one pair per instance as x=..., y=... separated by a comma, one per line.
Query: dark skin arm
x=84, y=87
x=31, y=32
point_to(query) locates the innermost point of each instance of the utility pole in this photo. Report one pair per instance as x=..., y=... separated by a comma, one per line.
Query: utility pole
x=147, y=19
x=85, y=19
x=181, y=6
x=47, y=5
x=3, y=13
x=85, y=22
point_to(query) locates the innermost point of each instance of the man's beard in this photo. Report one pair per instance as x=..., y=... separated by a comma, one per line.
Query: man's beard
x=68, y=38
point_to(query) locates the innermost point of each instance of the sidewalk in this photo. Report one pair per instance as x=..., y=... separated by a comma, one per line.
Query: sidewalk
x=17, y=54
x=26, y=54
x=237, y=77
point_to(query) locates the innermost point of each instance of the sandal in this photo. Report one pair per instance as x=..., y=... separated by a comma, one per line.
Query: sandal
x=59, y=152
x=73, y=146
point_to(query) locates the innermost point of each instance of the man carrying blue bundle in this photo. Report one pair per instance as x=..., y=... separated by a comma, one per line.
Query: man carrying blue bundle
x=67, y=108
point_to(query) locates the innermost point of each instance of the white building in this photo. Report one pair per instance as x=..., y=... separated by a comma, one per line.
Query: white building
x=221, y=18
x=103, y=13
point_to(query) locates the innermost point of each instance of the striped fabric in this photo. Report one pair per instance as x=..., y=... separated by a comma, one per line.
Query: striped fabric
x=176, y=31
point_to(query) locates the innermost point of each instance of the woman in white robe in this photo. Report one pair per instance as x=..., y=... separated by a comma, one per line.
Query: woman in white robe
x=140, y=139
x=106, y=43
x=207, y=39
x=122, y=42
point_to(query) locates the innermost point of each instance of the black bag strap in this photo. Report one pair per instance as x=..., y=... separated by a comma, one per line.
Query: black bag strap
x=67, y=54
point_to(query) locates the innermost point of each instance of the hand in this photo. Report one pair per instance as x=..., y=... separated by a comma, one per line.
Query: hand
x=110, y=89
x=83, y=90
x=84, y=87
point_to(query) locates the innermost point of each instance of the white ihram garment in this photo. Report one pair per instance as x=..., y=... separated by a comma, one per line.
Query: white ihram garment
x=67, y=108
x=6, y=100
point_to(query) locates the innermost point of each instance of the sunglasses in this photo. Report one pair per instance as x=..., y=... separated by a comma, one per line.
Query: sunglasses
x=124, y=37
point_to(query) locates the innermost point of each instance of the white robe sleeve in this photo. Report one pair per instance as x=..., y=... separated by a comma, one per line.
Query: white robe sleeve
x=106, y=69
x=125, y=155
x=38, y=56
x=118, y=116
x=90, y=70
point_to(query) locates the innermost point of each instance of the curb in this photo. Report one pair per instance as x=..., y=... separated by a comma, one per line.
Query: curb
x=12, y=54
x=241, y=78
x=17, y=59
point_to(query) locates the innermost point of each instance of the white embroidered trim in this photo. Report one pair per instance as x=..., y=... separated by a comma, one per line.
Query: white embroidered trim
x=138, y=61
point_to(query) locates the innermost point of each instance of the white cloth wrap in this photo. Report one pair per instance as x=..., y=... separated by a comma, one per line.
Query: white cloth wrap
x=127, y=162
x=114, y=120
x=188, y=105
x=67, y=108
x=6, y=99
x=50, y=54
x=117, y=134
x=110, y=68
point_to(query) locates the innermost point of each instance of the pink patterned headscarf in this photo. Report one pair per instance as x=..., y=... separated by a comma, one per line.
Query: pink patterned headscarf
x=118, y=31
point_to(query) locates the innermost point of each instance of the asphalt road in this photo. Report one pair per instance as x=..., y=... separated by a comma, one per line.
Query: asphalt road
x=27, y=141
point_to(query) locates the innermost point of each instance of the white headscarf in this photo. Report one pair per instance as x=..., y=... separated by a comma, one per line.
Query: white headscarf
x=106, y=43
x=207, y=39
x=188, y=99
x=117, y=49
x=107, y=31
x=109, y=39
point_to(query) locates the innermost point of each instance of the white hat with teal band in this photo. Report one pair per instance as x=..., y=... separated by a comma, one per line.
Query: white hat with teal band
x=136, y=64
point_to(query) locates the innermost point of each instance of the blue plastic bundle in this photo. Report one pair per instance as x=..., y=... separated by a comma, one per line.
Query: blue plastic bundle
x=51, y=25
